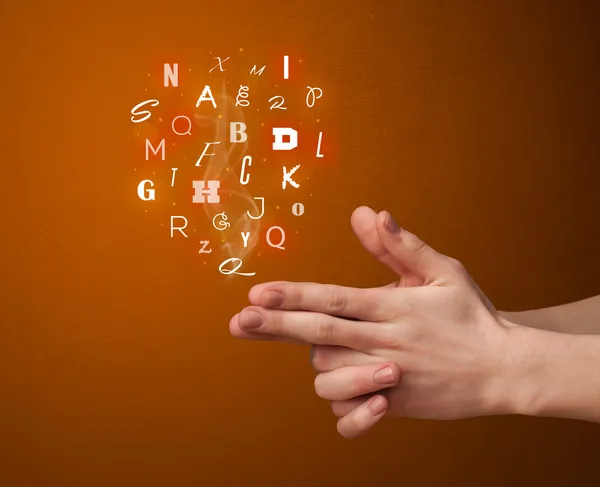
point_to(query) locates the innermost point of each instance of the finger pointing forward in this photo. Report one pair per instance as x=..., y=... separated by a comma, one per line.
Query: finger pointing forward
x=306, y=327
x=347, y=302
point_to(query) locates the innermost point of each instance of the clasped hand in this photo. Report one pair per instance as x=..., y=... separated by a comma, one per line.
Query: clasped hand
x=429, y=345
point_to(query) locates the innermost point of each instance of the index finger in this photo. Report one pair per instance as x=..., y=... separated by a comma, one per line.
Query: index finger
x=346, y=302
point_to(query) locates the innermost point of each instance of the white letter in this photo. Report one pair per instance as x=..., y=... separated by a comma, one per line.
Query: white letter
x=234, y=270
x=206, y=96
x=279, y=143
x=174, y=169
x=319, y=145
x=242, y=97
x=223, y=223
x=200, y=191
x=280, y=244
x=204, y=152
x=144, y=193
x=310, y=96
x=179, y=228
x=203, y=249
x=220, y=65
x=262, y=211
x=287, y=177
x=171, y=75
x=189, y=129
x=235, y=129
x=286, y=67
x=245, y=236
x=298, y=209
x=259, y=72
x=246, y=180
x=145, y=113
x=155, y=151
x=278, y=102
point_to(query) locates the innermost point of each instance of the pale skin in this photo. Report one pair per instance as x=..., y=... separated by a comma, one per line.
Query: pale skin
x=430, y=345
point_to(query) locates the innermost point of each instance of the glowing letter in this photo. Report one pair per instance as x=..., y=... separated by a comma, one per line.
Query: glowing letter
x=155, y=151
x=242, y=97
x=280, y=244
x=234, y=270
x=171, y=75
x=200, y=191
x=179, y=228
x=237, y=129
x=189, y=129
x=203, y=249
x=311, y=97
x=259, y=72
x=262, y=211
x=298, y=209
x=206, y=96
x=279, y=133
x=204, y=152
x=174, y=169
x=286, y=67
x=220, y=65
x=245, y=236
x=146, y=194
x=246, y=160
x=287, y=177
x=319, y=145
x=145, y=113
x=278, y=103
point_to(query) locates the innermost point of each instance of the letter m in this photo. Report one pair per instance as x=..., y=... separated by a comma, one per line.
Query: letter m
x=259, y=72
x=161, y=147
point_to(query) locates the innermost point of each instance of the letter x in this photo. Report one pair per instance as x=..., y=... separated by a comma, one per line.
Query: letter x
x=220, y=65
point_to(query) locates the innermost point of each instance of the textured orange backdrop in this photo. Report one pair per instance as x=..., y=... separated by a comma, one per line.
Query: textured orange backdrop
x=475, y=123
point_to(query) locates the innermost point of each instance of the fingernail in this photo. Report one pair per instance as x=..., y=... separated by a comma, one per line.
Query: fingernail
x=377, y=405
x=390, y=224
x=385, y=376
x=272, y=298
x=250, y=319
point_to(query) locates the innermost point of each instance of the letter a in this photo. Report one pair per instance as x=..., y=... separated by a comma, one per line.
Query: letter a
x=206, y=96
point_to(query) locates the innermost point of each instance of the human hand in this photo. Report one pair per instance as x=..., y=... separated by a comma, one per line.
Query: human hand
x=453, y=348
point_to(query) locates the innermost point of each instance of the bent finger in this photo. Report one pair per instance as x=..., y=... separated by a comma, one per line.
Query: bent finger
x=363, y=418
x=325, y=358
x=349, y=382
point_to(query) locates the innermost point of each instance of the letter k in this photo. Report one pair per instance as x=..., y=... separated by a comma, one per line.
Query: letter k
x=287, y=177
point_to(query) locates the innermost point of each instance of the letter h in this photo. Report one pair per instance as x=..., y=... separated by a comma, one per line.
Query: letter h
x=211, y=193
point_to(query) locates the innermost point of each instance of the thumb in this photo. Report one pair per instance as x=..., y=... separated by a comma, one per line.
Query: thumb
x=413, y=256
x=363, y=223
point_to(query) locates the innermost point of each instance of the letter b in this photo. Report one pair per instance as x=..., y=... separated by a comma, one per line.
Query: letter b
x=237, y=130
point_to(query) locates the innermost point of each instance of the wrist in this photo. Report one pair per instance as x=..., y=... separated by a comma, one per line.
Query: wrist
x=550, y=374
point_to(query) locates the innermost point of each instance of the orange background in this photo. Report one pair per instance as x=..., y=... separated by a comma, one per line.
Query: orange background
x=474, y=123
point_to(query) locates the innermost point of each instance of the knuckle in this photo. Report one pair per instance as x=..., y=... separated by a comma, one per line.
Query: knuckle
x=403, y=307
x=456, y=265
x=325, y=328
x=416, y=244
x=336, y=301
x=390, y=338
